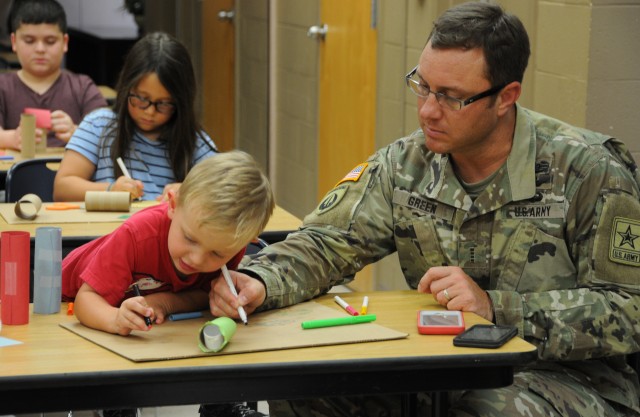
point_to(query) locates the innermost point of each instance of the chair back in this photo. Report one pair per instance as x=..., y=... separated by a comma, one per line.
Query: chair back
x=31, y=176
x=255, y=246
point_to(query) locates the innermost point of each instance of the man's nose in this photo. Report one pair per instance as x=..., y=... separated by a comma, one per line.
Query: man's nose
x=429, y=107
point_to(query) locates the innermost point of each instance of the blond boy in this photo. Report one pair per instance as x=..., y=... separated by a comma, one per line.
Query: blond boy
x=171, y=251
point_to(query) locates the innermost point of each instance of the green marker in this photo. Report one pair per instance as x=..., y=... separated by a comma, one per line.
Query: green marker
x=340, y=321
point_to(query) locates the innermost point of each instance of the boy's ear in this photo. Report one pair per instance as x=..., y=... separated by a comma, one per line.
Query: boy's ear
x=172, y=200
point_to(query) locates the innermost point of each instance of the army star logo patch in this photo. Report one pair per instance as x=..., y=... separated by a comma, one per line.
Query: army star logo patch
x=624, y=246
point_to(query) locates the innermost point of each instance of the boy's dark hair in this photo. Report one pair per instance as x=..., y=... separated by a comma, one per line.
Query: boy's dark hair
x=35, y=12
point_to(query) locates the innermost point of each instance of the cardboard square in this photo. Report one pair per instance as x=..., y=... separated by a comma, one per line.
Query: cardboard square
x=269, y=330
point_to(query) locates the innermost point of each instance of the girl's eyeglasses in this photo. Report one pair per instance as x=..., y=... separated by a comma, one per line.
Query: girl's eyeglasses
x=162, y=107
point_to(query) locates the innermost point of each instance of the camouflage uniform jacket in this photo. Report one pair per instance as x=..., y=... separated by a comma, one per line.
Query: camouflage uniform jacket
x=554, y=238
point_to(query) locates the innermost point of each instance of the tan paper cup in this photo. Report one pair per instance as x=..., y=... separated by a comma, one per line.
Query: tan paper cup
x=107, y=200
x=28, y=133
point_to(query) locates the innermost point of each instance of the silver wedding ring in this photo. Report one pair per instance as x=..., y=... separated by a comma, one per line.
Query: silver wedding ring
x=446, y=294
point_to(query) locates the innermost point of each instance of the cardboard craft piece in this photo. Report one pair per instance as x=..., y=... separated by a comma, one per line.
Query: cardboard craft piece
x=269, y=330
x=28, y=135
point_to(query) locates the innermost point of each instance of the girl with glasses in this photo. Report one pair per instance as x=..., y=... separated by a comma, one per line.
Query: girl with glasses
x=152, y=127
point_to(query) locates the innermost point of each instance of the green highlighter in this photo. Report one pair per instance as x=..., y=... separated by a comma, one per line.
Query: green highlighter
x=339, y=321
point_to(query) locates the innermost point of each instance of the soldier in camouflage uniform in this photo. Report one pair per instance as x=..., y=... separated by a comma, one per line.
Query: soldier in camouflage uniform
x=493, y=209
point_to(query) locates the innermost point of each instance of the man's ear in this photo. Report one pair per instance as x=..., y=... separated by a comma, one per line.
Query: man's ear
x=508, y=96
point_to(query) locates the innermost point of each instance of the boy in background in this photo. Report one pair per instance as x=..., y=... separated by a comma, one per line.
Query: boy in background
x=39, y=38
x=171, y=251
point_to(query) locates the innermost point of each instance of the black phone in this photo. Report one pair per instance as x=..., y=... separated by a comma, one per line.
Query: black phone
x=485, y=336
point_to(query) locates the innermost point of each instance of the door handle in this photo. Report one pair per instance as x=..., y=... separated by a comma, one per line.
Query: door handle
x=226, y=15
x=317, y=32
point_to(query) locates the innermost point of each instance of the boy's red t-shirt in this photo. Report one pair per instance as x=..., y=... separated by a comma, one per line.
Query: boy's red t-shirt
x=136, y=252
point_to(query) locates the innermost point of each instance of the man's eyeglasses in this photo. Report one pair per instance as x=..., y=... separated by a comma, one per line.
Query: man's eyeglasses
x=448, y=102
x=163, y=107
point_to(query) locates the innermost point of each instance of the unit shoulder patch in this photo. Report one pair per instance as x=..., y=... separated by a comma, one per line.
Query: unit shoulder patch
x=624, y=246
x=332, y=199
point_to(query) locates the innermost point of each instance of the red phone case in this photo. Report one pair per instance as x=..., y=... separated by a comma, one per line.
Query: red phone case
x=440, y=322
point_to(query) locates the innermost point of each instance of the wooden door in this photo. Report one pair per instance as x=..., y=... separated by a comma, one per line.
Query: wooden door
x=347, y=89
x=347, y=97
x=218, y=81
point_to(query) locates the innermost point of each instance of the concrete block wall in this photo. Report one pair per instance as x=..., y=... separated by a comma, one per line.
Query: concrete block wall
x=252, y=79
x=613, y=91
x=294, y=151
x=561, y=68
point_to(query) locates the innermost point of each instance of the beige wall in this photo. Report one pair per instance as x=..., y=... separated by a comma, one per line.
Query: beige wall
x=252, y=79
x=613, y=87
x=294, y=62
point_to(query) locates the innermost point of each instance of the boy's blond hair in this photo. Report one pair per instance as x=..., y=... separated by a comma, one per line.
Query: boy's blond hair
x=227, y=192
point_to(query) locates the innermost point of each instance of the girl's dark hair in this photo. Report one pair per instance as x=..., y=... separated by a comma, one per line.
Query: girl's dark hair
x=501, y=36
x=34, y=12
x=165, y=56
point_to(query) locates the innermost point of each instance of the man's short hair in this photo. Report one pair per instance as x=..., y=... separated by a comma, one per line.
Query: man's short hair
x=501, y=36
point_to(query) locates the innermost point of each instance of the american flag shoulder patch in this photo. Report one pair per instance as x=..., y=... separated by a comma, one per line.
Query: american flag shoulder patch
x=354, y=174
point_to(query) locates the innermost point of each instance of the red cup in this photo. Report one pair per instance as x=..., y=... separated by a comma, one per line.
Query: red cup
x=15, y=265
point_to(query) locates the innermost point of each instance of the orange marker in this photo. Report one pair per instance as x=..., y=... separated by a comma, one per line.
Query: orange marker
x=70, y=309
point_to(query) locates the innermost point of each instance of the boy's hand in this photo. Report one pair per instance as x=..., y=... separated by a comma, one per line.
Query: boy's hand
x=131, y=316
x=15, y=140
x=62, y=125
x=251, y=295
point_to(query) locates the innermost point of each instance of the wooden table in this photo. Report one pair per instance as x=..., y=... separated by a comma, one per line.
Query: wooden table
x=55, y=370
x=280, y=223
x=17, y=156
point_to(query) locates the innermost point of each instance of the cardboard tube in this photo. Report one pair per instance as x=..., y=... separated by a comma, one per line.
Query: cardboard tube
x=107, y=200
x=28, y=134
x=47, y=273
x=15, y=259
x=214, y=335
x=28, y=206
